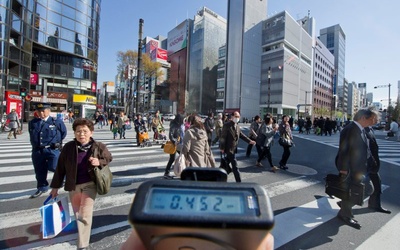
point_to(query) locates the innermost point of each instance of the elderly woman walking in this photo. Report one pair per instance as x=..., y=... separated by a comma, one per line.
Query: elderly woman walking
x=77, y=160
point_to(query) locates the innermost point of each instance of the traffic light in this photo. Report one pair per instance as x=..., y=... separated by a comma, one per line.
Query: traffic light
x=22, y=91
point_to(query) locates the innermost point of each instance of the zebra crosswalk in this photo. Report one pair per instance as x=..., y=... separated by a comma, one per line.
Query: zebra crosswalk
x=294, y=207
x=388, y=149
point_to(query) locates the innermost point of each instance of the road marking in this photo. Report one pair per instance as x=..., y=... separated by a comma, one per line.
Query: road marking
x=303, y=219
x=387, y=237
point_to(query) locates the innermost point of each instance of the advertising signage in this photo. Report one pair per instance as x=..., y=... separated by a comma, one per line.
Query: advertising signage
x=177, y=38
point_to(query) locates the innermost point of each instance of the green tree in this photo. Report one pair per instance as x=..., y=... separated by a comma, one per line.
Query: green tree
x=129, y=59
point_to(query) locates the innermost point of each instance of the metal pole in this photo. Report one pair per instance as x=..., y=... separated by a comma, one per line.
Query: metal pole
x=179, y=85
x=389, y=109
x=139, y=64
x=269, y=89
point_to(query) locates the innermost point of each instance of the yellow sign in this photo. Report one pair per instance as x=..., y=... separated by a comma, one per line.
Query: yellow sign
x=84, y=99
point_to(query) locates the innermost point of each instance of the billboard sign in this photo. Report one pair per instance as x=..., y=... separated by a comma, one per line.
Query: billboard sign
x=177, y=38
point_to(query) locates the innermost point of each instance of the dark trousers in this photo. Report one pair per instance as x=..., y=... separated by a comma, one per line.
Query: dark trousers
x=346, y=205
x=264, y=152
x=170, y=162
x=375, y=198
x=285, y=156
x=250, y=147
x=44, y=160
x=137, y=138
x=209, y=136
x=232, y=160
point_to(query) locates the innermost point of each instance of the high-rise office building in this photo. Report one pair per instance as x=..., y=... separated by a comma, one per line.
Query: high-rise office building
x=243, y=56
x=49, y=49
x=335, y=40
x=207, y=36
x=286, y=65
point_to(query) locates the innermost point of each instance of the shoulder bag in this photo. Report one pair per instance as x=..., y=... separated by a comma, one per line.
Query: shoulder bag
x=102, y=176
x=169, y=147
x=180, y=164
x=285, y=141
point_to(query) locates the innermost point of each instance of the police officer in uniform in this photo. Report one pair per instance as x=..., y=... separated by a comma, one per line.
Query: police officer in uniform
x=46, y=136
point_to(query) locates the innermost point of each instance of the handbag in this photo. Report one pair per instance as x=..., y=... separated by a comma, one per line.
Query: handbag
x=169, y=147
x=390, y=134
x=285, y=142
x=128, y=126
x=102, y=177
x=55, y=216
x=345, y=190
x=260, y=140
x=225, y=165
x=180, y=164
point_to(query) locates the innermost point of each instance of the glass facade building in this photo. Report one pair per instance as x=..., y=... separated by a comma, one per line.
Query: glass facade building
x=334, y=39
x=49, y=48
x=207, y=36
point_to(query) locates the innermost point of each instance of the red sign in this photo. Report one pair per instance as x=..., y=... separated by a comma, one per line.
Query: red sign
x=162, y=54
x=34, y=79
x=14, y=101
x=94, y=85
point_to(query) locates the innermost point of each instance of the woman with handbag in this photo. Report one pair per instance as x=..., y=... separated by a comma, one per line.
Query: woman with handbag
x=13, y=124
x=264, y=141
x=76, y=164
x=195, y=145
x=176, y=133
x=285, y=140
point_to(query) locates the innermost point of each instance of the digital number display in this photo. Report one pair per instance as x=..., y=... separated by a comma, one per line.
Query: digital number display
x=198, y=201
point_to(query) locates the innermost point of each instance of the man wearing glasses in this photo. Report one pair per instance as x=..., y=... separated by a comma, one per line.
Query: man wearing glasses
x=46, y=136
x=229, y=139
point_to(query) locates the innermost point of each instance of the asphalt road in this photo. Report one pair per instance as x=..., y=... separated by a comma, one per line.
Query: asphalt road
x=305, y=218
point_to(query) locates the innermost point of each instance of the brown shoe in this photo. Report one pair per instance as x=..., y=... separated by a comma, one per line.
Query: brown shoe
x=258, y=164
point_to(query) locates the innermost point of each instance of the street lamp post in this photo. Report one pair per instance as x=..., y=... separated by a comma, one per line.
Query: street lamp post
x=388, y=109
x=139, y=64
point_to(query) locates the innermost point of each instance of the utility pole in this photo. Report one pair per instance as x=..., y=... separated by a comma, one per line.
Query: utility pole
x=269, y=90
x=139, y=64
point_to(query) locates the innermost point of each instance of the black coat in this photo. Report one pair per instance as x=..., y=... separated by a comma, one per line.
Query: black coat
x=373, y=162
x=230, y=137
x=352, y=153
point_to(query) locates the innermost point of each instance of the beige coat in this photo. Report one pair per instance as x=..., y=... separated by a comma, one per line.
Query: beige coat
x=196, y=149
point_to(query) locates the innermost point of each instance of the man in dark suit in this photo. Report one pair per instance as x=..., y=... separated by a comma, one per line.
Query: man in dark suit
x=374, y=163
x=351, y=160
x=228, y=142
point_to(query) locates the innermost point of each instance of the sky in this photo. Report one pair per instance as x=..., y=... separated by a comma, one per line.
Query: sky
x=371, y=28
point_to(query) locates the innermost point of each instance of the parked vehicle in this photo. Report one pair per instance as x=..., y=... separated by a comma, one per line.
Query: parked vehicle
x=168, y=117
x=379, y=126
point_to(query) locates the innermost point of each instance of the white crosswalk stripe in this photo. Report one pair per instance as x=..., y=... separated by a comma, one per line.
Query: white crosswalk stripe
x=133, y=165
x=388, y=150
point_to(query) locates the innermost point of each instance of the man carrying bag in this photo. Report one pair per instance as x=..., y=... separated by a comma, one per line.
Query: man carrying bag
x=351, y=161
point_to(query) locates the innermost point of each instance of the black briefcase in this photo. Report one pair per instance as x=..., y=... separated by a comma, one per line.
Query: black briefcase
x=225, y=165
x=353, y=191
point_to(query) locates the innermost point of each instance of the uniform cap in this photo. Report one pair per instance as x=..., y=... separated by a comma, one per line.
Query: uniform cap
x=42, y=105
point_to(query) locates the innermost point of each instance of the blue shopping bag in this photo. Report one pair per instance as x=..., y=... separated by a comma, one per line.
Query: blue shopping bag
x=55, y=216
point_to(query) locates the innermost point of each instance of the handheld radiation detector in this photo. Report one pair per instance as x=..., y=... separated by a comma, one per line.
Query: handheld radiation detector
x=201, y=215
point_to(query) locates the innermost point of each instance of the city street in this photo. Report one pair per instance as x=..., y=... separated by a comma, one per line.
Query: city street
x=305, y=217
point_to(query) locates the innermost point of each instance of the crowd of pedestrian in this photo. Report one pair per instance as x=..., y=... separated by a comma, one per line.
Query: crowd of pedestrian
x=193, y=139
